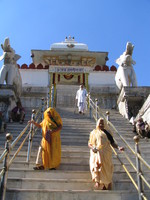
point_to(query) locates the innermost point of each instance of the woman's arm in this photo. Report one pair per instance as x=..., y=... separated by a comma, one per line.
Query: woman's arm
x=57, y=129
x=90, y=146
x=94, y=149
x=90, y=143
x=117, y=147
x=33, y=122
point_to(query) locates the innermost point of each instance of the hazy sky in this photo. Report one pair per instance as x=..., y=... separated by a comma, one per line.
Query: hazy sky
x=104, y=25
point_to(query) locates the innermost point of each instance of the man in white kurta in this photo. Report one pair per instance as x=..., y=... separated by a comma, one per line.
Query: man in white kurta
x=81, y=99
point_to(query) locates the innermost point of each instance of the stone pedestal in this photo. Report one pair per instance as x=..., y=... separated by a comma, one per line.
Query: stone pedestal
x=131, y=99
x=8, y=100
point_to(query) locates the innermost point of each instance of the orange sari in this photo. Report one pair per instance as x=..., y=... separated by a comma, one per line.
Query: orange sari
x=51, y=151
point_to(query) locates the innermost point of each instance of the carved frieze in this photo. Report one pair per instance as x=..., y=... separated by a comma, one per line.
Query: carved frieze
x=70, y=60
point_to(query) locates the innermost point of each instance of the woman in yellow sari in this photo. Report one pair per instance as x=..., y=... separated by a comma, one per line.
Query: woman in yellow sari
x=101, y=165
x=51, y=142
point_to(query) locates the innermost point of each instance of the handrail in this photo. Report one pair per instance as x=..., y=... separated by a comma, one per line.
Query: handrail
x=18, y=150
x=129, y=147
x=4, y=171
x=125, y=168
x=5, y=152
x=98, y=113
x=9, y=147
x=19, y=137
x=52, y=91
x=35, y=116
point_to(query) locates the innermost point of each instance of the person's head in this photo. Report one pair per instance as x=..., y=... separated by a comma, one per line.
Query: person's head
x=100, y=124
x=140, y=120
x=19, y=104
x=49, y=113
x=81, y=87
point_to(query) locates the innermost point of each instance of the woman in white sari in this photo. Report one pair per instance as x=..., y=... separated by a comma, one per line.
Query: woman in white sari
x=101, y=165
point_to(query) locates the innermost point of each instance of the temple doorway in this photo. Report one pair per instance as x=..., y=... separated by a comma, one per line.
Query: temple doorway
x=66, y=86
x=65, y=95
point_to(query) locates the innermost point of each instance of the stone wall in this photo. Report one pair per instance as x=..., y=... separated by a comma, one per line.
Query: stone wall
x=106, y=95
x=8, y=99
x=131, y=99
x=31, y=96
x=145, y=111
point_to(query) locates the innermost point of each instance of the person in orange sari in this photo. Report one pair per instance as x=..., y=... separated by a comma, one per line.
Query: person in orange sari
x=101, y=165
x=51, y=143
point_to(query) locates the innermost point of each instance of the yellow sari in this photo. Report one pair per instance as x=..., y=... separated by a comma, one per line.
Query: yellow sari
x=51, y=152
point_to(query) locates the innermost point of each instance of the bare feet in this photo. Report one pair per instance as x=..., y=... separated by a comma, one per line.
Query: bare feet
x=110, y=186
x=104, y=188
x=41, y=167
x=96, y=186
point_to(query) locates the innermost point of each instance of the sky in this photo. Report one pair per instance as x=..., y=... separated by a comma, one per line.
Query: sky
x=104, y=25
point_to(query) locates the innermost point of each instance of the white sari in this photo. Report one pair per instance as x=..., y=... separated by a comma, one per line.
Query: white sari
x=101, y=165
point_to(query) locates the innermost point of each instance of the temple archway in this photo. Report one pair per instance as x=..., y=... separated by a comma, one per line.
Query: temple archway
x=65, y=86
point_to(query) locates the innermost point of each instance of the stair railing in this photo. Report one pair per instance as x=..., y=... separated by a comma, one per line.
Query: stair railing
x=96, y=112
x=4, y=171
x=93, y=107
x=141, y=180
x=52, y=93
x=8, y=147
x=6, y=162
x=36, y=116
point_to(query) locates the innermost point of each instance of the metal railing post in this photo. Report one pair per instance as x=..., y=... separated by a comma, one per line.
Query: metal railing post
x=138, y=166
x=107, y=115
x=89, y=96
x=5, y=167
x=48, y=100
x=96, y=103
x=52, y=96
x=31, y=136
x=42, y=109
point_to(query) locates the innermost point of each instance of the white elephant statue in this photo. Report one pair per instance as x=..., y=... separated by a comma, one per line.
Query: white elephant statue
x=9, y=72
x=125, y=75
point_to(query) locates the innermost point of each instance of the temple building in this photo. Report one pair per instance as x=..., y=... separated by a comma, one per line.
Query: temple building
x=56, y=74
x=64, y=67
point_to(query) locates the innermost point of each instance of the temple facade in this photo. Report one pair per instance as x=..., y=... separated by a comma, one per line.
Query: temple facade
x=56, y=74
x=64, y=67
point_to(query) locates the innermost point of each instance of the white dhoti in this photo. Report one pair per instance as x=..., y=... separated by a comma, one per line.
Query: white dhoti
x=81, y=98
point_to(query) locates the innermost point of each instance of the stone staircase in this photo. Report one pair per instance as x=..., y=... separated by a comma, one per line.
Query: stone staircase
x=66, y=95
x=72, y=180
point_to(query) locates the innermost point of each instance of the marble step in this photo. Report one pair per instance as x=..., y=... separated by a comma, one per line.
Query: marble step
x=34, y=194
x=73, y=153
x=78, y=158
x=71, y=166
x=30, y=173
x=64, y=184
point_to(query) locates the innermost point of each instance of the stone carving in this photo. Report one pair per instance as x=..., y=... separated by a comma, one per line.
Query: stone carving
x=125, y=75
x=9, y=71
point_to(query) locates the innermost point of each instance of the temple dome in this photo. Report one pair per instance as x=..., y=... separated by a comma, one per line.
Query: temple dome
x=69, y=45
